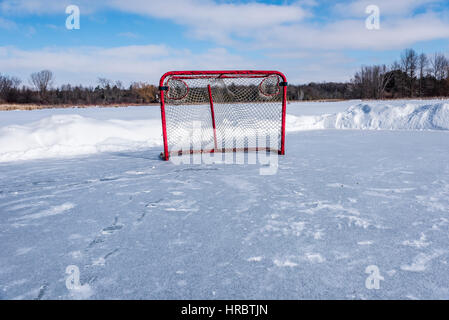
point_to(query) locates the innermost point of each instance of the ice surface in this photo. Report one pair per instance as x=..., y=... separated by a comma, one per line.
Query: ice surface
x=139, y=227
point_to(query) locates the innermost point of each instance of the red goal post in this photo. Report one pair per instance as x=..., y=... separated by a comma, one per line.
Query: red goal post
x=227, y=106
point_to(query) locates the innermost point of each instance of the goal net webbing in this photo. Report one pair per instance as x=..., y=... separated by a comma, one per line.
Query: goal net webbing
x=223, y=111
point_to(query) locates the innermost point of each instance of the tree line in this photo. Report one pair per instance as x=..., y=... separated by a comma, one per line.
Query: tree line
x=42, y=92
x=413, y=75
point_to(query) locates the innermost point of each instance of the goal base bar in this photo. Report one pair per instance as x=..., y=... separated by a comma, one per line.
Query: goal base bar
x=223, y=150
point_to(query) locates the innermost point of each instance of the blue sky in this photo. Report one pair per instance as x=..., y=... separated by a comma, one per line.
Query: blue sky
x=138, y=40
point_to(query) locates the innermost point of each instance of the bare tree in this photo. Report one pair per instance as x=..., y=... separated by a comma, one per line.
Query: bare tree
x=7, y=85
x=371, y=81
x=104, y=83
x=423, y=63
x=119, y=84
x=106, y=86
x=384, y=76
x=395, y=66
x=409, y=61
x=439, y=64
x=42, y=81
x=439, y=69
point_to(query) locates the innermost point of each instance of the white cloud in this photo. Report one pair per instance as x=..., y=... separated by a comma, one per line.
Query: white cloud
x=351, y=34
x=259, y=26
x=279, y=36
x=308, y=3
x=209, y=14
x=129, y=63
x=387, y=7
x=148, y=62
x=130, y=35
x=24, y=7
x=7, y=24
x=205, y=19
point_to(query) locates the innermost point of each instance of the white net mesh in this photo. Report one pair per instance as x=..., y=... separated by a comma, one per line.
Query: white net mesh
x=246, y=111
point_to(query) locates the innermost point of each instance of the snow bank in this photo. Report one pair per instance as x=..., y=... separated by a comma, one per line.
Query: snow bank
x=377, y=117
x=69, y=135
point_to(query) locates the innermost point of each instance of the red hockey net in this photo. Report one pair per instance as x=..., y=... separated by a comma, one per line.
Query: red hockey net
x=223, y=111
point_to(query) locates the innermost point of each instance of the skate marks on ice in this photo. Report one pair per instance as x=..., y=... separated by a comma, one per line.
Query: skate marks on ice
x=143, y=229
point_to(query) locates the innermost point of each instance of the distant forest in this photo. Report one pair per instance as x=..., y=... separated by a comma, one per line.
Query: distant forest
x=413, y=75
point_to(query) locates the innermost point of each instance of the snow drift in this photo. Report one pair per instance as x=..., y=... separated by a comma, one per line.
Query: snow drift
x=70, y=135
x=377, y=117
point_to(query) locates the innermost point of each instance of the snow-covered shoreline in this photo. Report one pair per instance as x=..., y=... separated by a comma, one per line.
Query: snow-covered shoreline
x=62, y=133
x=377, y=117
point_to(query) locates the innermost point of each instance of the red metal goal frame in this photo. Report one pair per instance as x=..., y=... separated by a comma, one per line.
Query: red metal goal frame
x=223, y=74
